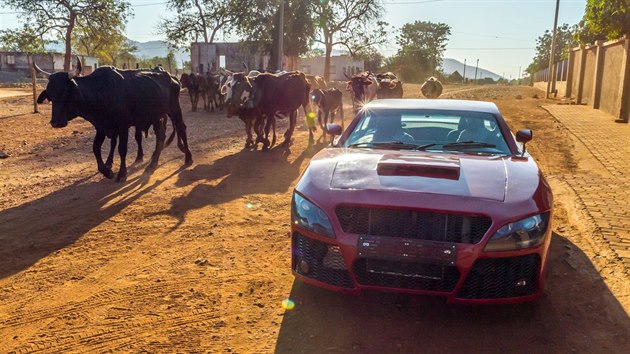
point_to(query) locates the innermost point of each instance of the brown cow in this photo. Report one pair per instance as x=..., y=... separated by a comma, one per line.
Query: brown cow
x=316, y=81
x=280, y=95
x=196, y=86
x=328, y=103
x=389, y=86
x=432, y=88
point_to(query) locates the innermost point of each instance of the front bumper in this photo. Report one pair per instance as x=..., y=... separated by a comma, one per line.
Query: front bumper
x=475, y=277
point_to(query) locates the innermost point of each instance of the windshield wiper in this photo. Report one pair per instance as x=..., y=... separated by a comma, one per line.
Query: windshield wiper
x=467, y=145
x=393, y=145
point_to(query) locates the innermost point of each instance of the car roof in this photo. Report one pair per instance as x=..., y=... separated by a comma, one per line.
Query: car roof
x=442, y=104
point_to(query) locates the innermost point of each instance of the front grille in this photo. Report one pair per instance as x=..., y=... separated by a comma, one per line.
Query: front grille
x=405, y=275
x=412, y=224
x=324, y=262
x=493, y=278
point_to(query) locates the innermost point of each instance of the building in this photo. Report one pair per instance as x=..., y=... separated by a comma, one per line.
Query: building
x=230, y=56
x=339, y=65
x=18, y=62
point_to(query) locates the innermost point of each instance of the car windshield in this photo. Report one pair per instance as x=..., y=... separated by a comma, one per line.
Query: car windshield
x=461, y=131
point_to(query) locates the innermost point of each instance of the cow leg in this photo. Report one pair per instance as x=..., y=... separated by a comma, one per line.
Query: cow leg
x=112, y=148
x=270, y=119
x=123, y=133
x=248, y=130
x=160, y=136
x=273, y=127
x=341, y=116
x=289, y=133
x=96, y=148
x=178, y=121
x=138, y=137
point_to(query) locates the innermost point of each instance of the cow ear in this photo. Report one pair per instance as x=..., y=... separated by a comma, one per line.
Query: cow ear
x=348, y=83
x=43, y=97
x=367, y=83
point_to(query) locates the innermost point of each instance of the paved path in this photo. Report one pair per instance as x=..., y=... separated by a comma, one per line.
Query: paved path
x=605, y=195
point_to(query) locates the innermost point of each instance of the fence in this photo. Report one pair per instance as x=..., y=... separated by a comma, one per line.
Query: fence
x=597, y=75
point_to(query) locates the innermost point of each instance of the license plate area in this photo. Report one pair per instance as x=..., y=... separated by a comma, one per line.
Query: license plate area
x=407, y=250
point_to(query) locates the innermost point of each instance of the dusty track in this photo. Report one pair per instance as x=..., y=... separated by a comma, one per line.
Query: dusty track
x=197, y=259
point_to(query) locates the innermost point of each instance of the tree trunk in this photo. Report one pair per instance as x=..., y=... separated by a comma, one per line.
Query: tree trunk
x=203, y=22
x=327, y=60
x=67, y=61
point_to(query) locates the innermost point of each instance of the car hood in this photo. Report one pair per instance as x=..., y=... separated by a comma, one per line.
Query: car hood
x=405, y=171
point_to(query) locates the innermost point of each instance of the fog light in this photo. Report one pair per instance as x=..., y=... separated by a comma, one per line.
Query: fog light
x=304, y=267
x=521, y=283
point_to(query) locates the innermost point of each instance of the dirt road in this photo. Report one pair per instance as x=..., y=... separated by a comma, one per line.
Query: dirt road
x=198, y=258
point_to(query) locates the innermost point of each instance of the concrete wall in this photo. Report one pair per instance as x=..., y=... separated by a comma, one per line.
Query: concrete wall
x=50, y=62
x=611, y=79
x=597, y=75
x=338, y=66
x=589, y=75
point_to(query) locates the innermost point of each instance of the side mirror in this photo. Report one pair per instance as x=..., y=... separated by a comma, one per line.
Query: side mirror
x=333, y=130
x=524, y=136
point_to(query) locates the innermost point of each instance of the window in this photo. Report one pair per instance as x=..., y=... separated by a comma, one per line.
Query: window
x=11, y=59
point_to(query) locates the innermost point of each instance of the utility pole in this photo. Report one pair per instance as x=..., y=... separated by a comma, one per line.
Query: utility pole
x=551, y=74
x=464, y=78
x=519, y=72
x=476, y=67
x=281, y=36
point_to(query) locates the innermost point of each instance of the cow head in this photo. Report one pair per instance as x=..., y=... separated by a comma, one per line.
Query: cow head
x=237, y=91
x=62, y=90
x=317, y=95
x=357, y=86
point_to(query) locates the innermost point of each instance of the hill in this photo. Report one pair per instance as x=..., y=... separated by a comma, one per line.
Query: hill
x=450, y=65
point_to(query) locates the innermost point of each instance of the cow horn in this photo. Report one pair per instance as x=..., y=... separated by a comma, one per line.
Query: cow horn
x=346, y=75
x=246, y=67
x=76, y=71
x=38, y=69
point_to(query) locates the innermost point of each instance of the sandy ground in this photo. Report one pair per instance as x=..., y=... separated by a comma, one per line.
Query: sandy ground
x=198, y=259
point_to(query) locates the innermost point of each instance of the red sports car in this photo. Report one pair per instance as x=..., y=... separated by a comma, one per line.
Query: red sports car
x=424, y=196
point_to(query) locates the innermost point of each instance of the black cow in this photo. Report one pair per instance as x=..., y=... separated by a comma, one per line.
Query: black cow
x=237, y=90
x=280, y=94
x=113, y=101
x=196, y=86
x=328, y=103
x=363, y=87
x=389, y=86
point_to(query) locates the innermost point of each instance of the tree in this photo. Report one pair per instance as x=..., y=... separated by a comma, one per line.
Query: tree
x=422, y=46
x=605, y=19
x=62, y=17
x=259, y=28
x=22, y=40
x=372, y=58
x=564, y=42
x=353, y=24
x=200, y=19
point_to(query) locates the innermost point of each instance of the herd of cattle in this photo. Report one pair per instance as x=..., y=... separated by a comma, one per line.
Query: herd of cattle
x=114, y=100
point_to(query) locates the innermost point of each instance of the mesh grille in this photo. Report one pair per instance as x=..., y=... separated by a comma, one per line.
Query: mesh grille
x=494, y=278
x=412, y=224
x=405, y=275
x=325, y=262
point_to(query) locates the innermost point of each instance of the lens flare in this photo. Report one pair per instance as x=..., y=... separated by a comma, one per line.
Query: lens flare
x=288, y=304
x=311, y=115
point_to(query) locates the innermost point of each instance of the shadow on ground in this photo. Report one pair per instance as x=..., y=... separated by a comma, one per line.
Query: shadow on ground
x=574, y=315
x=33, y=230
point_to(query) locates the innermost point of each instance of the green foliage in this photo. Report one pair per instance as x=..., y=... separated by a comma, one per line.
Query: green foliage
x=166, y=62
x=352, y=24
x=59, y=19
x=259, y=27
x=373, y=59
x=604, y=19
x=22, y=40
x=422, y=46
x=200, y=20
x=565, y=40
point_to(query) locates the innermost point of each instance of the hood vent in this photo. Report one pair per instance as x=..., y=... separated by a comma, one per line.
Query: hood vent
x=409, y=166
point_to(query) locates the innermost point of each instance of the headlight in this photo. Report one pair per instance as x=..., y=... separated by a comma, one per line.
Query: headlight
x=310, y=217
x=521, y=234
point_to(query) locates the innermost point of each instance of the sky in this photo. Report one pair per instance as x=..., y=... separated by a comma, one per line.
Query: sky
x=500, y=33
